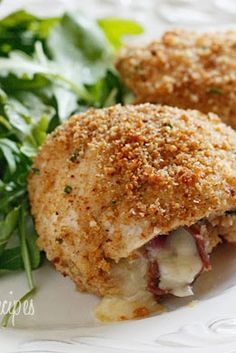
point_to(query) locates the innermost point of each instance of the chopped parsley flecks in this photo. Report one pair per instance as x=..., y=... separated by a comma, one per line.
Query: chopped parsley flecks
x=67, y=189
x=75, y=156
x=214, y=90
x=169, y=125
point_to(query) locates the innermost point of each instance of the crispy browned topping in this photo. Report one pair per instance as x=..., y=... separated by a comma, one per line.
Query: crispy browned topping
x=139, y=171
x=185, y=69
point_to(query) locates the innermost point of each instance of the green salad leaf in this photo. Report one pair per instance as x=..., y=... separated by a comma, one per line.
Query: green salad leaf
x=50, y=68
x=22, y=30
x=11, y=260
x=79, y=38
x=7, y=227
x=117, y=28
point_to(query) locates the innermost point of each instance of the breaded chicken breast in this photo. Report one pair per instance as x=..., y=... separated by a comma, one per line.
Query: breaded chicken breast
x=186, y=70
x=129, y=201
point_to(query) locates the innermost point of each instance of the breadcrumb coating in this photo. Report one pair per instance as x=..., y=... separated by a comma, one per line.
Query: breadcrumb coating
x=185, y=69
x=110, y=180
x=226, y=226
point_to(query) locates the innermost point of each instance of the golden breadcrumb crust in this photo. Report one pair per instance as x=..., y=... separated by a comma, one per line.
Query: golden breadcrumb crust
x=109, y=180
x=186, y=70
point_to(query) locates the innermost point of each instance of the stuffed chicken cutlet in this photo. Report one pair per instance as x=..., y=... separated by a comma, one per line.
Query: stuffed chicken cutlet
x=129, y=201
x=186, y=70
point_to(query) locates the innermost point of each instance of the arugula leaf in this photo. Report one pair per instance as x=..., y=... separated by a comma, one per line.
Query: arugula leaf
x=25, y=110
x=9, y=148
x=24, y=248
x=5, y=123
x=31, y=238
x=108, y=90
x=34, y=252
x=13, y=187
x=30, y=116
x=26, y=67
x=78, y=37
x=11, y=260
x=11, y=199
x=116, y=28
x=7, y=227
x=67, y=102
x=82, y=53
x=21, y=30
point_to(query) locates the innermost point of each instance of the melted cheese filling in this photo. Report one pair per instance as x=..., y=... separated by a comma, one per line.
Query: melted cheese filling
x=179, y=263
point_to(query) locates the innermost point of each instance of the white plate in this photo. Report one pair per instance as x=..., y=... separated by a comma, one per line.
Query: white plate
x=63, y=320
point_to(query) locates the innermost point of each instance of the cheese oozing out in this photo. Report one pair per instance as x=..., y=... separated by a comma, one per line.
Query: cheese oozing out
x=178, y=261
